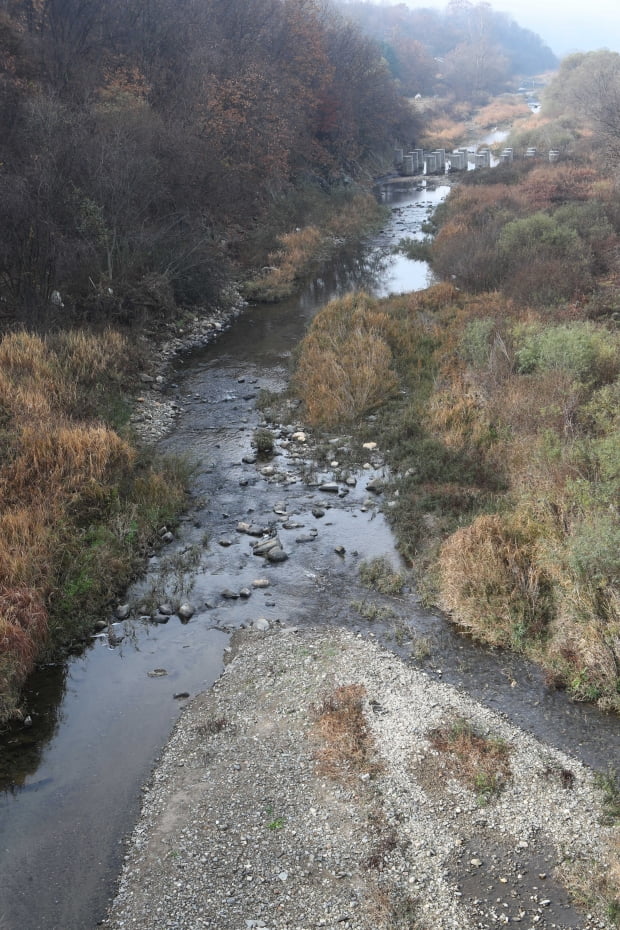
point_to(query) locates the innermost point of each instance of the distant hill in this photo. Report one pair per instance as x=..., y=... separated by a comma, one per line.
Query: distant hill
x=464, y=48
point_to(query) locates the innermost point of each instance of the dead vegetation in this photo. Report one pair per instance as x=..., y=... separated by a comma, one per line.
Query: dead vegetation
x=79, y=507
x=346, y=748
x=482, y=763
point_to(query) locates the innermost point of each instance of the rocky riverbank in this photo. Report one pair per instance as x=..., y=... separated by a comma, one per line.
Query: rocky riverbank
x=307, y=789
x=154, y=415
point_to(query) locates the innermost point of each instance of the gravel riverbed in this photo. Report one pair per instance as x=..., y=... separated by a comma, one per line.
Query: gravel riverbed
x=243, y=826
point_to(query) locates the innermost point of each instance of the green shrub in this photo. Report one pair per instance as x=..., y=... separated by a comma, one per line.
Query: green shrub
x=594, y=550
x=529, y=235
x=476, y=341
x=589, y=353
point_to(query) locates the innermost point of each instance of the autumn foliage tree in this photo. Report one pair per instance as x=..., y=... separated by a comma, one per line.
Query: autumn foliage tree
x=137, y=135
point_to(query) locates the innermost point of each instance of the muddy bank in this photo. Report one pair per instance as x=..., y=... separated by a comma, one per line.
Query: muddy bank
x=255, y=818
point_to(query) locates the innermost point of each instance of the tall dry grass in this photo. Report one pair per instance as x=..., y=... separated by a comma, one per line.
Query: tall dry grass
x=77, y=505
x=345, y=365
x=492, y=581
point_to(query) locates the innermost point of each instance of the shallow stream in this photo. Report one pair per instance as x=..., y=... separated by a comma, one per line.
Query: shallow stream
x=72, y=780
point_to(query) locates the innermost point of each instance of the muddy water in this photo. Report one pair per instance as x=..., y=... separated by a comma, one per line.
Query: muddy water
x=73, y=779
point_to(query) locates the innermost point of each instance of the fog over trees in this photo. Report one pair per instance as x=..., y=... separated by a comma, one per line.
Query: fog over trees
x=467, y=49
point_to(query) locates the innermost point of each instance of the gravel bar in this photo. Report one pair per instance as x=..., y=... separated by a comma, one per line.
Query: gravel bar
x=242, y=828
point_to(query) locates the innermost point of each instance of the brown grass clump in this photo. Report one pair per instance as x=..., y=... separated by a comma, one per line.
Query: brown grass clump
x=345, y=365
x=78, y=507
x=23, y=626
x=480, y=762
x=443, y=132
x=502, y=110
x=300, y=249
x=346, y=746
x=492, y=583
x=60, y=461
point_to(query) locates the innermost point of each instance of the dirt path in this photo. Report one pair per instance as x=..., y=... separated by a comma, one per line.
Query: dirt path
x=304, y=790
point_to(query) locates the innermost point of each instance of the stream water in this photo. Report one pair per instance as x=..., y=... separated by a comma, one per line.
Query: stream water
x=72, y=781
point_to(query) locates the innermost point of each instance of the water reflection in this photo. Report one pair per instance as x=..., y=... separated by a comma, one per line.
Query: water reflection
x=22, y=746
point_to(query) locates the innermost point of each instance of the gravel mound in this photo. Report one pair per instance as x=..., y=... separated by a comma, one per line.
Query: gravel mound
x=254, y=820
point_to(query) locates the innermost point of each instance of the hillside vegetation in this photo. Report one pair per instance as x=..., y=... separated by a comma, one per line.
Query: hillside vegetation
x=496, y=398
x=143, y=142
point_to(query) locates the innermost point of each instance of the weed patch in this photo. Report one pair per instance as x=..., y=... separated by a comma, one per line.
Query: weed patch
x=379, y=575
x=609, y=784
x=480, y=762
x=345, y=745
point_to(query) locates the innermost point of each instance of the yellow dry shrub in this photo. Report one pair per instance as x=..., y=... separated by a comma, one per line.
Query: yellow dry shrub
x=25, y=545
x=459, y=417
x=442, y=132
x=31, y=385
x=584, y=638
x=491, y=582
x=87, y=356
x=502, y=110
x=360, y=213
x=345, y=366
x=61, y=460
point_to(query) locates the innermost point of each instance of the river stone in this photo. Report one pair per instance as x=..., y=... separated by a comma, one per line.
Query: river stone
x=330, y=487
x=261, y=583
x=160, y=618
x=280, y=509
x=262, y=624
x=116, y=633
x=263, y=548
x=292, y=525
x=375, y=485
x=249, y=460
x=245, y=593
x=224, y=542
x=186, y=611
x=267, y=471
x=318, y=512
x=167, y=538
x=157, y=673
x=122, y=611
x=166, y=609
x=299, y=436
x=229, y=595
x=369, y=445
x=251, y=529
x=277, y=555
x=101, y=625
x=351, y=481
x=306, y=537
x=340, y=550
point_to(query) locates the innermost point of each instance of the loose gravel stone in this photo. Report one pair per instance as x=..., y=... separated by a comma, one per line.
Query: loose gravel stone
x=240, y=826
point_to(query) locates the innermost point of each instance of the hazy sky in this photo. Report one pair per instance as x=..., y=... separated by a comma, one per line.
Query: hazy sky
x=565, y=25
x=568, y=25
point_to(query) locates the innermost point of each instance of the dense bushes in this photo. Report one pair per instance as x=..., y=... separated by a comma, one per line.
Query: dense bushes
x=502, y=427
